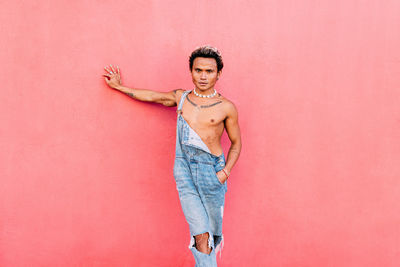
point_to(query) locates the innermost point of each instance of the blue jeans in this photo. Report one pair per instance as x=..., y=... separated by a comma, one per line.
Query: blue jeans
x=202, y=197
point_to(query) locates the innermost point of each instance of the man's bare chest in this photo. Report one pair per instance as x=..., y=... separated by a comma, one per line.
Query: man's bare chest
x=203, y=115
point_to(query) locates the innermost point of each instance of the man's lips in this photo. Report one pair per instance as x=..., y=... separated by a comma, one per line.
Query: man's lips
x=202, y=83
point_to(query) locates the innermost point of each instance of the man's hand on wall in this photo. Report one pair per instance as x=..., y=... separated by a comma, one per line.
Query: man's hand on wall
x=112, y=77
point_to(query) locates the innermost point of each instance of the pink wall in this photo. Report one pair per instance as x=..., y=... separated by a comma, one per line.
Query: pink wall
x=86, y=172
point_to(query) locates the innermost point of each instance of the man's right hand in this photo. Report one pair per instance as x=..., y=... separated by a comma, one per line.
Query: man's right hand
x=112, y=77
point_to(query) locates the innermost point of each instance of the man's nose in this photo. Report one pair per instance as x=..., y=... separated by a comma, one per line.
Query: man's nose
x=203, y=75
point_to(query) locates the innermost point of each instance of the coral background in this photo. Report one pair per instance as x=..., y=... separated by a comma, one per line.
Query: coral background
x=86, y=171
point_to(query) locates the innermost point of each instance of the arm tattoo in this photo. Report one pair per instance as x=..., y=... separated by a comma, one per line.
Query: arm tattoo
x=130, y=94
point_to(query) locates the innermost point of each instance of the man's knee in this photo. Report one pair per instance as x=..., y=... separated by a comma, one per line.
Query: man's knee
x=203, y=242
x=202, y=238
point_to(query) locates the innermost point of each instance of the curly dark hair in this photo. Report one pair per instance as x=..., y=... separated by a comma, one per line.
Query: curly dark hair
x=208, y=52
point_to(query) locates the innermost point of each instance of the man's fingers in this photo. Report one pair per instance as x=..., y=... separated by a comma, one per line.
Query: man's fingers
x=110, y=71
x=119, y=73
x=112, y=68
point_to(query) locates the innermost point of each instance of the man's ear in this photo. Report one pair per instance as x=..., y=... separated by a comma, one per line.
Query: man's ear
x=219, y=74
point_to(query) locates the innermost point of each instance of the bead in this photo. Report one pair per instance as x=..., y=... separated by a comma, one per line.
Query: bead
x=208, y=96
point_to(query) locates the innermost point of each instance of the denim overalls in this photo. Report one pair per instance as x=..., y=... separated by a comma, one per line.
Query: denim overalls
x=201, y=194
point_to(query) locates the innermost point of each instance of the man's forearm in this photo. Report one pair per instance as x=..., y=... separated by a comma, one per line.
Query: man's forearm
x=139, y=94
x=233, y=156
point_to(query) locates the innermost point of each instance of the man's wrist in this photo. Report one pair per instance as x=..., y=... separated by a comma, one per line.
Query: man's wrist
x=118, y=87
x=226, y=172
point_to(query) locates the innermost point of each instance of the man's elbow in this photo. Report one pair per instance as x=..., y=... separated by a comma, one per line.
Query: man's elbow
x=169, y=103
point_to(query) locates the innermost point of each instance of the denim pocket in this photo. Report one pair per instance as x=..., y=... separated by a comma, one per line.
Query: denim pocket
x=216, y=177
x=218, y=167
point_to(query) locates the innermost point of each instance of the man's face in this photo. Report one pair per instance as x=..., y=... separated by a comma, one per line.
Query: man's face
x=204, y=73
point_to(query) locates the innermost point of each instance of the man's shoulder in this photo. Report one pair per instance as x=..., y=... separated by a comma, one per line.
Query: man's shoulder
x=229, y=106
x=180, y=91
x=178, y=94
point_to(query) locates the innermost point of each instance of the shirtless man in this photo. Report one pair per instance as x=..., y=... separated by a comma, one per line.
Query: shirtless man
x=200, y=169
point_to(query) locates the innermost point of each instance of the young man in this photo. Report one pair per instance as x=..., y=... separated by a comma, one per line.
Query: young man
x=200, y=169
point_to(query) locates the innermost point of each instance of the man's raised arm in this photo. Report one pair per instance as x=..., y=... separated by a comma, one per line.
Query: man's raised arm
x=168, y=99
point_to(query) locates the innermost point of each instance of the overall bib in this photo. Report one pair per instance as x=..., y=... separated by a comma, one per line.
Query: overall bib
x=201, y=194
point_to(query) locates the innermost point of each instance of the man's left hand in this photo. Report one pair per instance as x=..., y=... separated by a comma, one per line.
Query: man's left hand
x=221, y=177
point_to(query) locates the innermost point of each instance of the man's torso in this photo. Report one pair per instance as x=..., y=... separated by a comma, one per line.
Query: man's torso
x=206, y=117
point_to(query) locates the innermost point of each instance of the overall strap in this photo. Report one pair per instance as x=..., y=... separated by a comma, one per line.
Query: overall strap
x=183, y=99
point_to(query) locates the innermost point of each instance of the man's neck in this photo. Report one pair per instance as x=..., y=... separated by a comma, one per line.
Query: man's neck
x=205, y=92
